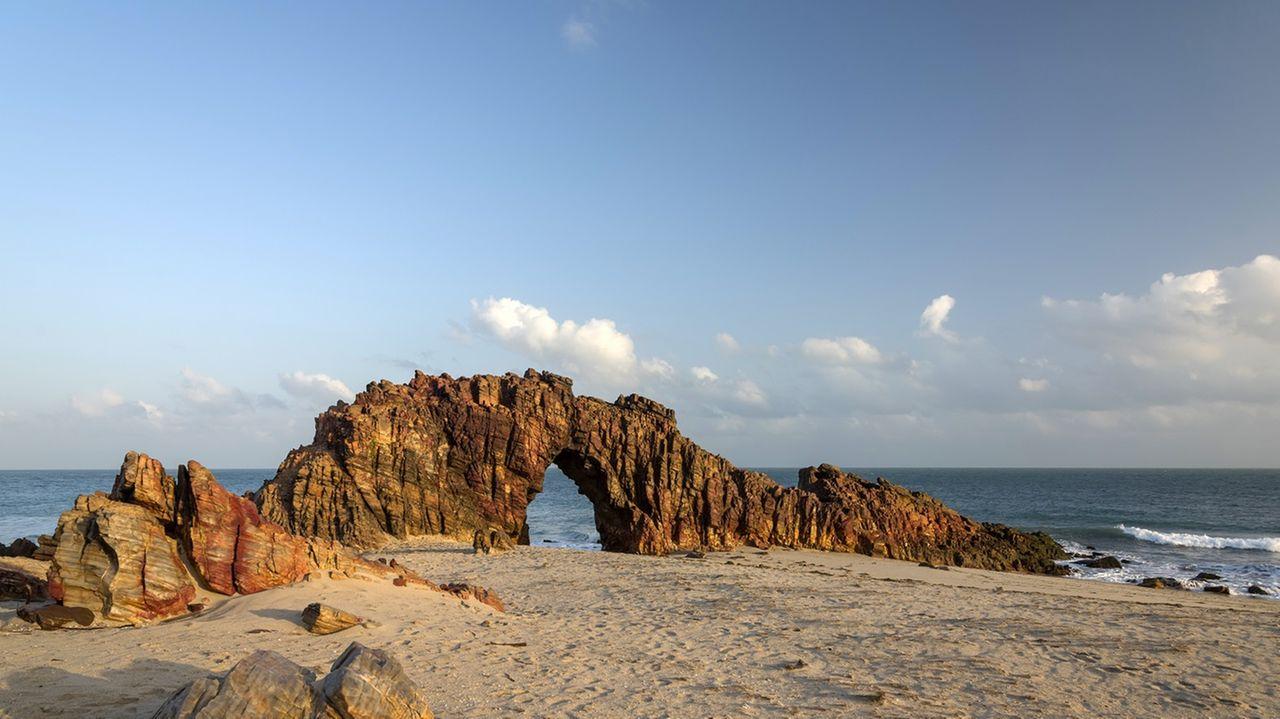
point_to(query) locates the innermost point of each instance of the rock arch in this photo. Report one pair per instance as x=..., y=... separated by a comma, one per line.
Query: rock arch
x=448, y=456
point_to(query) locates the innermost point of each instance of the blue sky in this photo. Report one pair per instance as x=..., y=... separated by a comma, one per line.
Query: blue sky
x=216, y=220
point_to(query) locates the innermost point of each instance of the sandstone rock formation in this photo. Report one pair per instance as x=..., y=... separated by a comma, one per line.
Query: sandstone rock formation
x=362, y=683
x=449, y=456
x=117, y=560
x=140, y=553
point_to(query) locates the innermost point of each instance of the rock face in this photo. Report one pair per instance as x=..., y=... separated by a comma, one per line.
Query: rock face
x=117, y=560
x=454, y=457
x=122, y=555
x=138, y=554
x=234, y=549
x=362, y=684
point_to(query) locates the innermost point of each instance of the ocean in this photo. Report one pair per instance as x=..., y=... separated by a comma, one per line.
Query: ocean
x=1165, y=522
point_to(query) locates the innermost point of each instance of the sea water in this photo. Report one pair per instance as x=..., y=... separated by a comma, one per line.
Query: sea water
x=1164, y=522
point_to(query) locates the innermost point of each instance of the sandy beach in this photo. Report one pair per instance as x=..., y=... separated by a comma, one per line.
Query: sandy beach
x=735, y=634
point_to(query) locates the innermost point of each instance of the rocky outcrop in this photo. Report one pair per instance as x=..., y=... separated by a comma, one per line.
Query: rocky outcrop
x=21, y=547
x=362, y=683
x=141, y=553
x=117, y=560
x=234, y=549
x=455, y=457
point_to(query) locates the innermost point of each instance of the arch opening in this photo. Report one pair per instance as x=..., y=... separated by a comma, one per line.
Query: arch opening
x=564, y=512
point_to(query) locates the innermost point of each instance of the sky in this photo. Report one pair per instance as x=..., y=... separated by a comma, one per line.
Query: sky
x=873, y=234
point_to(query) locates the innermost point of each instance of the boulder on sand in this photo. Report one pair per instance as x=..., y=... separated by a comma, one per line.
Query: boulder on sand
x=323, y=619
x=363, y=683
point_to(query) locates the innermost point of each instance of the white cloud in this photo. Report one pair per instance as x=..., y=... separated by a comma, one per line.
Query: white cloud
x=109, y=403
x=1033, y=385
x=658, y=368
x=315, y=387
x=748, y=392
x=595, y=347
x=934, y=317
x=703, y=374
x=841, y=350
x=1208, y=335
x=727, y=342
x=578, y=34
x=96, y=404
x=197, y=388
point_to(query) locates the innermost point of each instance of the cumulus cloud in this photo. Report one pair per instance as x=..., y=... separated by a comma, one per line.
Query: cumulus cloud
x=727, y=342
x=1211, y=335
x=595, y=347
x=578, y=34
x=934, y=318
x=320, y=388
x=841, y=350
x=703, y=374
x=1027, y=384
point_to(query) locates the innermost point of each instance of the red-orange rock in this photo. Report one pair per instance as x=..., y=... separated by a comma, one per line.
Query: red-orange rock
x=449, y=456
x=232, y=546
x=142, y=481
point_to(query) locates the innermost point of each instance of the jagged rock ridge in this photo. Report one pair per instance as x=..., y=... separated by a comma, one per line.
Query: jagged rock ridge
x=449, y=456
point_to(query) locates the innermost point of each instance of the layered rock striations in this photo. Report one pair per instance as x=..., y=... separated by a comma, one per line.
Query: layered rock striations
x=142, y=552
x=455, y=457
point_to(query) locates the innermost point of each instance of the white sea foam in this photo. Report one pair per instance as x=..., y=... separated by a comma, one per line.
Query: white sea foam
x=1183, y=539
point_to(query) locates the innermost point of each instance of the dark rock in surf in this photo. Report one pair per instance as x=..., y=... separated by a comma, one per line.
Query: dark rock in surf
x=1160, y=583
x=1107, y=562
x=1216, y=589
x=1255, y=589
x=1206, y=577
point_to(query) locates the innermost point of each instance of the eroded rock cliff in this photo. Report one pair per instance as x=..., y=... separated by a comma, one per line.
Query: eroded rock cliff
x=449, y=456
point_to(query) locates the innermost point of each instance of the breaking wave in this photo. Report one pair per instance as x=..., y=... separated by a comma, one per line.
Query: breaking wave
x=1181, y=539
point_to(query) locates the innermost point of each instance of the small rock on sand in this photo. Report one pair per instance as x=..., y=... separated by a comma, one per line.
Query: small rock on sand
x=323, y=619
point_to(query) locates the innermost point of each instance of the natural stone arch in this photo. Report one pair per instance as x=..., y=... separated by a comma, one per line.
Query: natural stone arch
x=449, y=456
